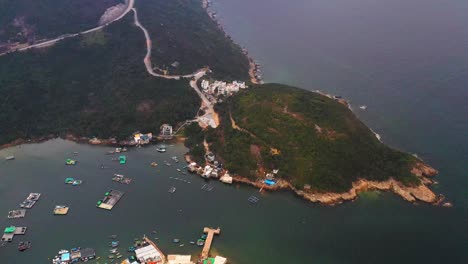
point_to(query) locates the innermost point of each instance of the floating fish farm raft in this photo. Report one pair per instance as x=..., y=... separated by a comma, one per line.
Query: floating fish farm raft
x=110, y=199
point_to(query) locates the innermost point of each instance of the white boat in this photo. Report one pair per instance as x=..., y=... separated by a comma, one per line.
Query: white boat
x=161, y=148
x=10, y=158
x=363, y=107
x=172, y=189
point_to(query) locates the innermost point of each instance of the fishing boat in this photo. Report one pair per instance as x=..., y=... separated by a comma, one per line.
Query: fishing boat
x=172, y=189
x=22, y=246
x=10, y=158
x=70, y=162
x=161, y=148
x=114, y=244
x=200, y=242
x=77, y=182
x=69, y=180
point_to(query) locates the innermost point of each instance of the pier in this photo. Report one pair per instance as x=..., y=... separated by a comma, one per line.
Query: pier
x=110, y=199
x=209, y=239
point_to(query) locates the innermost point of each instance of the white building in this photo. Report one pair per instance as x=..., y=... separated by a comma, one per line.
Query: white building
x=148, y=253
x=166, y=131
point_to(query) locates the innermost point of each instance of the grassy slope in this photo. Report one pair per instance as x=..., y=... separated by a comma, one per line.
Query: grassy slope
x=284, y=118
x=96, y=85
x=51, y=18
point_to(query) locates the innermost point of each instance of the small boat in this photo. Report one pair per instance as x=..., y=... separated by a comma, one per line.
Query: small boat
x=172, y=189
x=178, y=170
x=114, y=250
x=192, y=242
x=10, y=158
x=161, y=149
x=200, y=242
x=113, y=236
x=175, y=240
x=63, y=251
x=154, y=164
x=70, y=162
x=110, y=256
x=77, y=182
x=363, y=107
x=69, y=180
x=22, y=246
x=181, y=245
x=114, y=244
x=131, y=249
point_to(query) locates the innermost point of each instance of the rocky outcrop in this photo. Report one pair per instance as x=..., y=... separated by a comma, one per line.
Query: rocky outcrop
x=410, y=194
x=423, y=170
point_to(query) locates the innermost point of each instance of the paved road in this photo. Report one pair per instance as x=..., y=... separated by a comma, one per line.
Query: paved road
x=130, y=4
x=147, y=59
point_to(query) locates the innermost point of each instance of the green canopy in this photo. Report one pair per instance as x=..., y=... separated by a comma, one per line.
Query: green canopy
x=10, y=229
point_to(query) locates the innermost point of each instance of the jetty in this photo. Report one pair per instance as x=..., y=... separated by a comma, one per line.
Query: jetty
x=110, y=199
x=209, y=239
x=21, y=213
x=11, y=231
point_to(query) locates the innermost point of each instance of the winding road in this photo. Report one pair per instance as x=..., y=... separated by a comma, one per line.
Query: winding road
x=130, y=4
x=147, y=59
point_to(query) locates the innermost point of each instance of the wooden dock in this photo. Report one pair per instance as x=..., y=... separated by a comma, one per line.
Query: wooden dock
x=209, y=239
x=110, y=199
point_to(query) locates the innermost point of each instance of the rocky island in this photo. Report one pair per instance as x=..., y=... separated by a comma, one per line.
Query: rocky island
x=96, y=85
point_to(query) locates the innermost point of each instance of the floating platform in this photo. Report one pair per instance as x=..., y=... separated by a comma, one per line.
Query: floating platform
x=11, y=231
x=30, y=201
x=110, y=199
x=61, y=210
x=17, y=213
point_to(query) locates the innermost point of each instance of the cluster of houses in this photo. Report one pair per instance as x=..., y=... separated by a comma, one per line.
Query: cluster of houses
x=212, y=169
x=218, y=89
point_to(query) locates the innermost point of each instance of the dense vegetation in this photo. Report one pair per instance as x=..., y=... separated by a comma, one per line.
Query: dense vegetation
x=310, y=138
x=182, y=31
x=48, y=18
x=97, y=85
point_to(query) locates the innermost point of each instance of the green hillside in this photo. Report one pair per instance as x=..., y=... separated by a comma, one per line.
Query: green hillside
x=310, y=138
